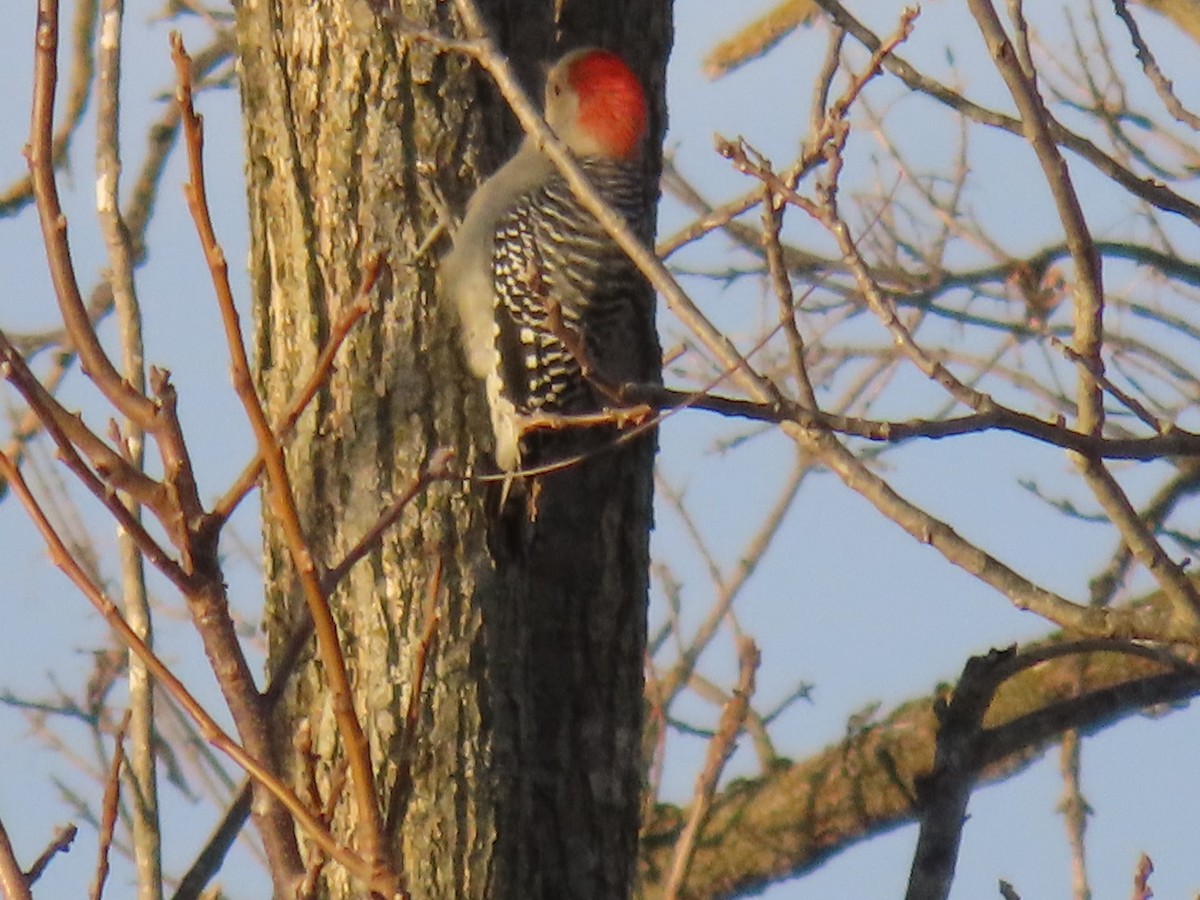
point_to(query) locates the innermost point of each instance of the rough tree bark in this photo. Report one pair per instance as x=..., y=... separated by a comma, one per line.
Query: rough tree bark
x=522, y=778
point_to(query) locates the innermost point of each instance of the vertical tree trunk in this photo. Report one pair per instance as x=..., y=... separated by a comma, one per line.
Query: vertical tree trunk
x=522, y=777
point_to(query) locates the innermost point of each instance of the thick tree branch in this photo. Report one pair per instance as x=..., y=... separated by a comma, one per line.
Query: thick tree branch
x=791, y=820
x=944, y=792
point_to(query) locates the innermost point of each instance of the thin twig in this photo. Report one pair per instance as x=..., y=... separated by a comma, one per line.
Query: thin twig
x=1181, y=487
x=720, y=748
x=109, y=808
x=83, y=30
x=438, y=468
x=96, y=363
x=61, y=843
x=280, y=495
x=1173, y=442
x=1142, y=542
x=1162, y=84
x=110, y=465
x=212, y=732
x=29, y=425
x=772, y=226
x=1153, y=192
x=342, y=327
x=1075, y=811
x=1125, y=399
x=142, y=771
x=727, y=590
x=404, y=743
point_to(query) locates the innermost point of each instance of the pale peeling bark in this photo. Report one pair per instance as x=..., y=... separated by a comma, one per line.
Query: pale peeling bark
x=523, y=776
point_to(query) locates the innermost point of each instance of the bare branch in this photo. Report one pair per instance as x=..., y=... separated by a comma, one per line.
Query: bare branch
x=213, y=733
x=1038, y=127
x=64, y=429
x=1152, y=191
x=341, y=328
x=1075, y=811
x=720, y=748
x=12, y=879
x=944, y=792
x=99, y=367
x=1162, y=84
x=143, y=774
x=108, y=816
x=83, y=35
x=282, y=500
x=61, y=843
x=790, y=820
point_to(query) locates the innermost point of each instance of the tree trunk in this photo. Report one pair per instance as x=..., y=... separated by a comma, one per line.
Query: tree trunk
x=522, y=776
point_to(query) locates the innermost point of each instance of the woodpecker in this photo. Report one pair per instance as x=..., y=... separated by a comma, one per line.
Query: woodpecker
x=534, y=276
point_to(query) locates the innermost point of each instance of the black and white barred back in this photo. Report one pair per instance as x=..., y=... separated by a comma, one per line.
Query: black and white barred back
x=549, y=250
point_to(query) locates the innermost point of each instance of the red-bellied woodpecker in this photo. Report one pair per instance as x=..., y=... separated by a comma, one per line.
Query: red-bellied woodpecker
x=533, y=275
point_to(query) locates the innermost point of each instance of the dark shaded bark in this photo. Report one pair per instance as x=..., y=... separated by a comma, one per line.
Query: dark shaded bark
x=522, y=777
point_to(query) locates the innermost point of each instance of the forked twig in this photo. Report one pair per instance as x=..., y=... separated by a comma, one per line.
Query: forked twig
x=69, y=432
x=208, y=726
x=208, y=860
